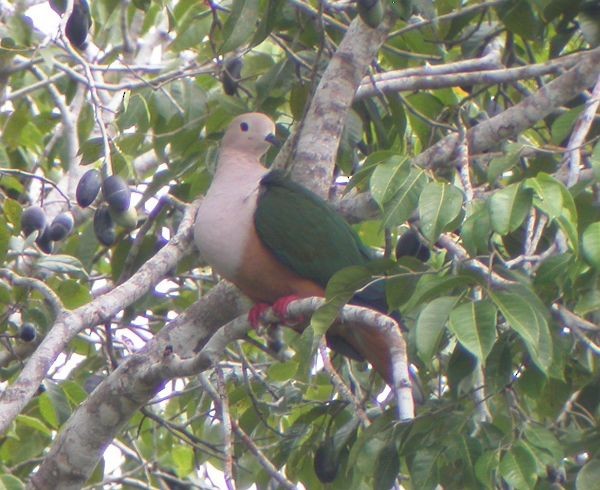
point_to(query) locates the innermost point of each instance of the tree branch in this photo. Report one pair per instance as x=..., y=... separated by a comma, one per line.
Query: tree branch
x=68, y=324
x=442, y=76
x=313, y=146
x=516, y=119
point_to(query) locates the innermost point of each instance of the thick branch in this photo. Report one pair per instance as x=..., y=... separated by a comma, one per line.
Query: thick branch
x=442, y=76
x=520, y=117
x=84, y=437
x=82, y=440
x=317, y=139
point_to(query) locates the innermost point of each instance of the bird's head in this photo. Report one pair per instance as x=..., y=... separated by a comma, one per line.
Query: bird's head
x=251, y=133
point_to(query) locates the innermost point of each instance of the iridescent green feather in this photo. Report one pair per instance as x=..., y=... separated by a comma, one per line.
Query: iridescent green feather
x=304, y=232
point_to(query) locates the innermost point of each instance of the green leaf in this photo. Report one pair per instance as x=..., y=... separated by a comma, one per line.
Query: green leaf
x=595, y=160
x=518, y=468
x=13, y=210
x=14, y=127
x=61, y=410
x=34, y=423
x=62, y=264
x=402, y=204
x=440, y=204
x=508, y=208
x=432, y=286
x=91, y=150
x=282, y=371
x=364, y=173
x=590, y=243
x=6, y=294
x=519, y=18
x=240, y=25
x=525, y=319
x=10, y=482
x=506, y=161
x=73, y=294
x=544, y=439
x=183, y=457
x=554, y=199
x=485, y=467
x=476, y=229
x=430, y=326
x=563, y=125
x=387, y=178
x=547, y=194
x=4, y=239
x=387, y=467
x=589, y=476
x=10, y=183
x=568, y=220
x=543, y=355
x=47, y=410
x=588, y=303
x=402, y=281
x=74, y=392
x=136, y=114
x=474, y=324
x=423, y=470
x=340, y=288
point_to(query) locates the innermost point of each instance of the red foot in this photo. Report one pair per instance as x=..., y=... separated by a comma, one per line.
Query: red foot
x=255, y=314
x=280, y=307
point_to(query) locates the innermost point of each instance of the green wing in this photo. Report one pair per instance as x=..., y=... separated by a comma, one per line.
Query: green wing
x=303, y=231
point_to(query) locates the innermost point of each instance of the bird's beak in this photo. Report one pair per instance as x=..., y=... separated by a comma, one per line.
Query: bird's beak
x=274, y=140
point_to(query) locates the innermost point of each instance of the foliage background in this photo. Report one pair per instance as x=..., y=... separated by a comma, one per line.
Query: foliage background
x=482, y=134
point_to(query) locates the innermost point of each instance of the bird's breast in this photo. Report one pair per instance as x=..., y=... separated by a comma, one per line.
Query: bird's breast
x=223, y=226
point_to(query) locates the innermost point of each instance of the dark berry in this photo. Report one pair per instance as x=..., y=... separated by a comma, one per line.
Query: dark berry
x=61, y=226
x=33, y=219
x=116, y=193
x=88, y=187
x=27, y=332
x=104, y=226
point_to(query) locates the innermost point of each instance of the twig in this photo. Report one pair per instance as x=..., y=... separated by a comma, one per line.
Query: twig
x=226, y=423
x=341, y=387
x=252, y=447
x=577, y=138
x=397, y=82
x=181, y=432
x=69, y=130
x=29, y=282
x=97, y=104
x=462, y=159
x=23, y=173
x=102, y=308
x=519, y=117
x=460, y=254
x=571, y=319
x=533, y=241
x=453, y=15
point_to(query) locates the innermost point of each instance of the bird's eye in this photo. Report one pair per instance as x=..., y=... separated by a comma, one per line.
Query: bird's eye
x=244, y=127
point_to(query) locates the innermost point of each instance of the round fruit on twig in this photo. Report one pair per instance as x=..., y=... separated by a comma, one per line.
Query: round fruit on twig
x=116, y=193
x=33, y=219
x=88, y=188
x=27, y=332
x=104, y=226
x=61, y=226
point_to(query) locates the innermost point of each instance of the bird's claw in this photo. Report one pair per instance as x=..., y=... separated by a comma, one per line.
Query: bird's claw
x=255, y=314
x=280, y=308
